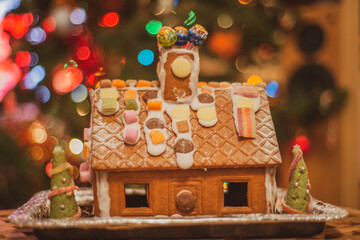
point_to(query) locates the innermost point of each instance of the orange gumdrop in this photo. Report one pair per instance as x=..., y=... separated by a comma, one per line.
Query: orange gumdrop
x=157, y=137
x=118, y=83
x=201, y=84
x=154, y=105
x=144, y=83
x=130, y=94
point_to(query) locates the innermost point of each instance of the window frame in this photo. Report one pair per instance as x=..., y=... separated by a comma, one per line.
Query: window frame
x=233, y=209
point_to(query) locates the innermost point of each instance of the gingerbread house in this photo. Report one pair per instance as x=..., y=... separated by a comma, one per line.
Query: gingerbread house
x=179, y=146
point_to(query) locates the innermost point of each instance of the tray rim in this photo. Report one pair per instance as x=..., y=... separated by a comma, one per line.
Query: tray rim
x=25, y=216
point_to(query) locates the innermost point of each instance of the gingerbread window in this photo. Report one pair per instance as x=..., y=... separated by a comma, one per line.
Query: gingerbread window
x=235, y=194
x=136, y=195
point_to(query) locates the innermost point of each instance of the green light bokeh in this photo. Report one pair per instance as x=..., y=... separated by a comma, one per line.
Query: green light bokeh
x=153, y=26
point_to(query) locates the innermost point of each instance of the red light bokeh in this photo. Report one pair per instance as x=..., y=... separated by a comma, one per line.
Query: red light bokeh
x=110, y=19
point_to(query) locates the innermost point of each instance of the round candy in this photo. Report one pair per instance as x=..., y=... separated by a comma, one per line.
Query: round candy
x=182, y=35
x=180, y=113
x=206, y=114
x=166, y=36
x=181, y=67
x=197, y=34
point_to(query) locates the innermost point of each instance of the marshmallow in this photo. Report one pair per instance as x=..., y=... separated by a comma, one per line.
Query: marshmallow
x=131, y=135
x=130, y=116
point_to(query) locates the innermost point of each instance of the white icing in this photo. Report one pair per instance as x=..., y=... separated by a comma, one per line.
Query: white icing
x=132, y=125
x=107, y=112
x=196, y=105
x=103, y=193
x=193, y=76
x=270, y=189
x=185, y=160
x=155, y=149
x=208, y=123
x=255, y=100
x=235, y=115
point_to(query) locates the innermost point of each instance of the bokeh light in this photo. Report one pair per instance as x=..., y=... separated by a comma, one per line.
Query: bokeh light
x=110, y=19
x=17, y=24
x=83, y=53
x=266, y=51
x=76, y=146
x=35, y=76
x=10, y=74
x=29, y=111
x=38, y=133
x=153, y=26
x=23, y=59
x=225, y=43
x=242, y=64
x=254, y=79
x=146, y=57
x=273, y=89
x=67, y=79
x=37, y=153
x=225, y=21
x=78, y=16
x=49, y=24
x=303, y=142
x=245, y=2
x=5, y=48
x=79, y=94
x=42, y=94
x=34, y=59
x=83, y=108
x=36, y=35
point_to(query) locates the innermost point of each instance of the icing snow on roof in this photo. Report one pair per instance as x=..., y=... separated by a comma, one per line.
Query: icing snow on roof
x=215, y=147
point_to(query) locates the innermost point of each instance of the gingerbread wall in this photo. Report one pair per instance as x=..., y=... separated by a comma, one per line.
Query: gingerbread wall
x=205, y=185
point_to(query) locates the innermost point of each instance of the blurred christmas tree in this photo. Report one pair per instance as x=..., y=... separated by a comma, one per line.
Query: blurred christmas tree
x=52, y=51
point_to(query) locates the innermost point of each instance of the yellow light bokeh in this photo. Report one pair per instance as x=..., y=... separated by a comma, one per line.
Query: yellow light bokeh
x=38, y=133
x=245, y=2
x=37, y=153
x=76, y=146
x=254, y=79
x=225, y=21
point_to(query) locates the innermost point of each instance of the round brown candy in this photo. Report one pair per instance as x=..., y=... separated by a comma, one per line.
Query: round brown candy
x=151, y=94
x=105, y=83
x=185, y=201
x=214, y=84
x=153, y=123
x=205, y=98
x=131, y=83
x=183, y=145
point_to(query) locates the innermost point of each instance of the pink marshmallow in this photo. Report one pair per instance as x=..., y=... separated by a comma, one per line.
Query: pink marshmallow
x=85, y=173
x=131, y=135
x=85, y=176
x=130, y=116
x=84, y=166
x=86, y=134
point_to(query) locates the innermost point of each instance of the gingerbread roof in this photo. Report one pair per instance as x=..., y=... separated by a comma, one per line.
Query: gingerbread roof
x=215, y=147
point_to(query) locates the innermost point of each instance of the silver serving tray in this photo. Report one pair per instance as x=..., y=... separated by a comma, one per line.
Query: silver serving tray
x=34, y=214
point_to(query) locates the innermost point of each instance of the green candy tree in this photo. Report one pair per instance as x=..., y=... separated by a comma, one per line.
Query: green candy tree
x=298, y=199
x=62, y=198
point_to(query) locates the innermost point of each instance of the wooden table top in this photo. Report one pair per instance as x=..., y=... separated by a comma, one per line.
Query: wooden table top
x=347, y=228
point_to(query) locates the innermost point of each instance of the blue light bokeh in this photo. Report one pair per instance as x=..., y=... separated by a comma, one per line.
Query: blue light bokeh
x=146, y=57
